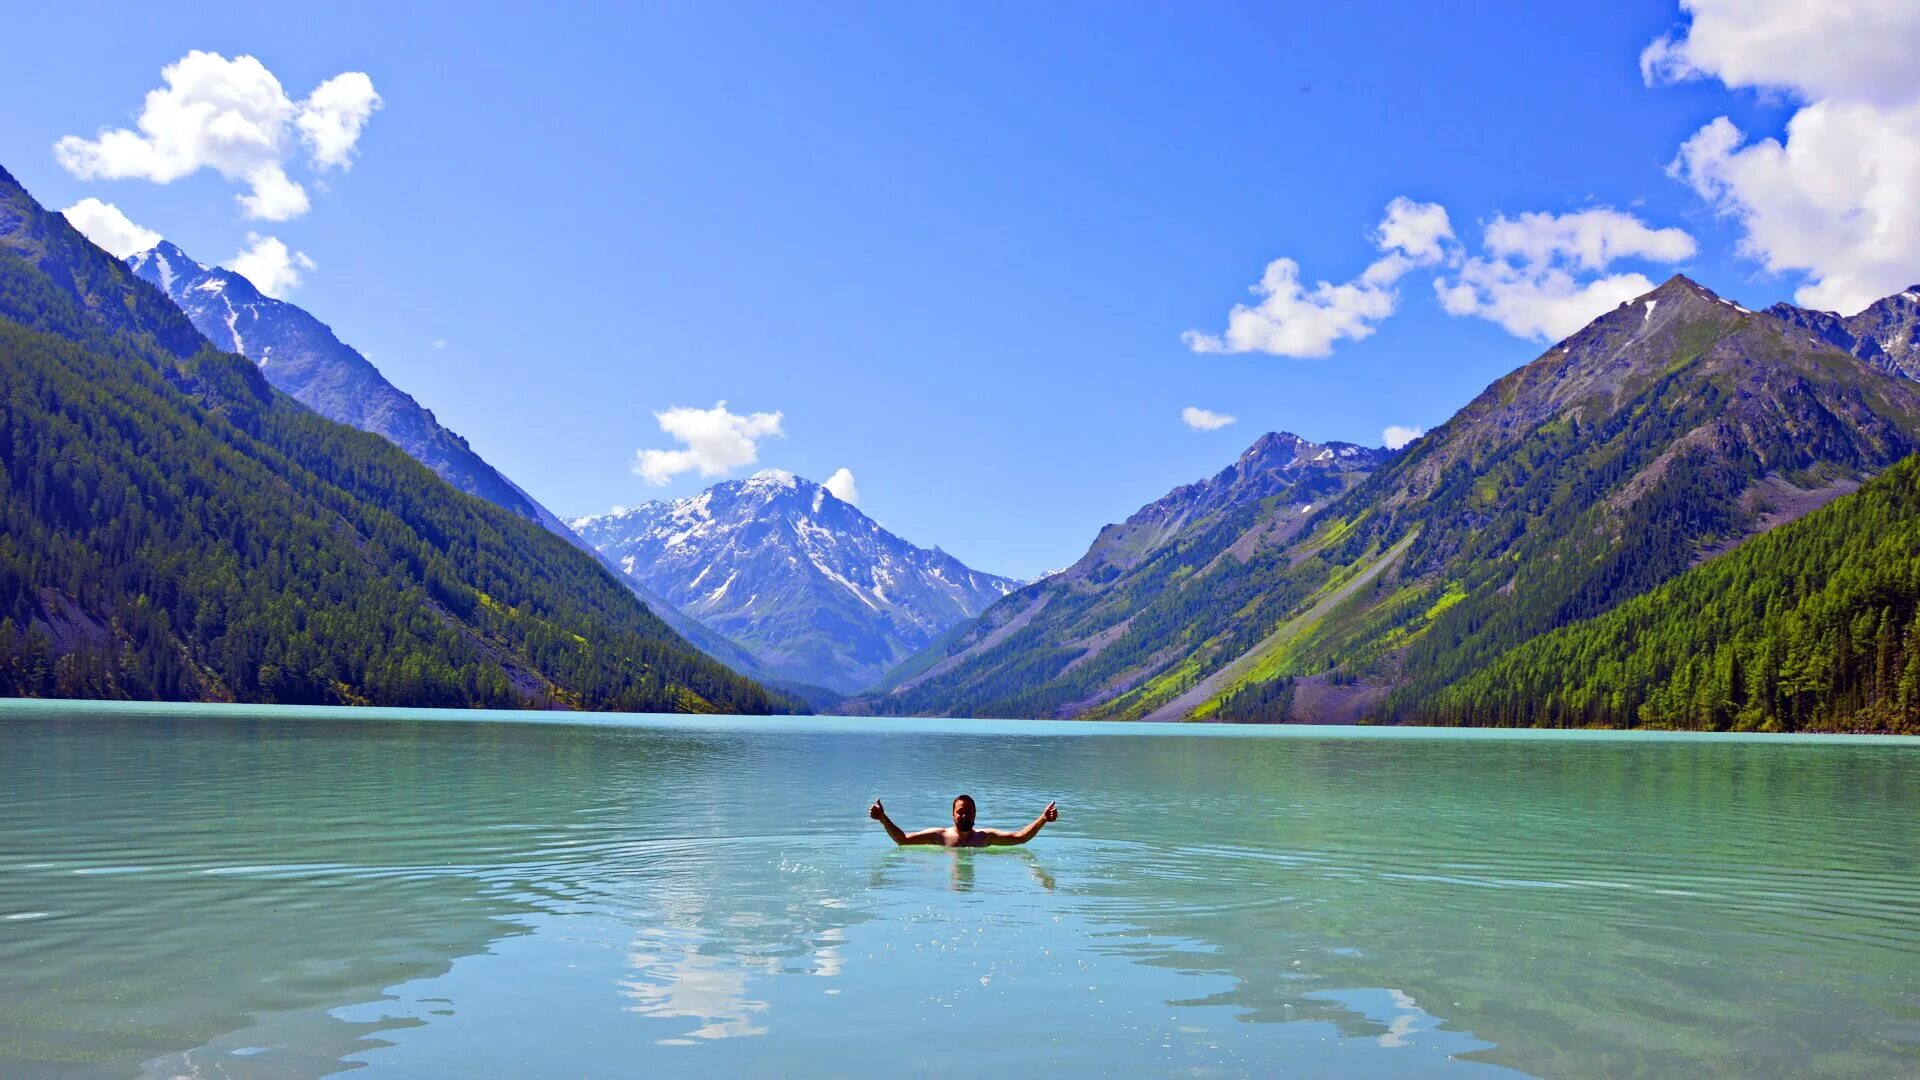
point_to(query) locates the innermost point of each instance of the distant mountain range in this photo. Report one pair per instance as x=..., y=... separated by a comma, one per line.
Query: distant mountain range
x=176, y=528
x=815, y=589
x=1666, y=432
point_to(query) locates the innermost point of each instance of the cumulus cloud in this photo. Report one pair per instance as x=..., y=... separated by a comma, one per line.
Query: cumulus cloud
x=1832, y=201
x=439, y=343
x=1808, y=50
x=234, y=117
x=1204, y=419
x=1292, y=320
x=843, y=488
x=1396, y=436
x=108, y=228
x=716, y=442
x=1589, y=239
x=332, y=117
x=1417, y=230
x=273, y=268
x=1544, y=275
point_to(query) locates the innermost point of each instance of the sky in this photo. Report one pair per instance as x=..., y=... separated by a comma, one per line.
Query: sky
x=1005, y=273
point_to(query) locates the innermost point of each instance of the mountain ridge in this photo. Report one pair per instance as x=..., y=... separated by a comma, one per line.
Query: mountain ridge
x=1886, y=333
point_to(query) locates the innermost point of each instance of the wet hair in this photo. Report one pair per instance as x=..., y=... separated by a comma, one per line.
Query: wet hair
x=967, y=797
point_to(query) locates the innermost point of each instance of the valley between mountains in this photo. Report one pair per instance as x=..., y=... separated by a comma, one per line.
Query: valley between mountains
x=1686, y=514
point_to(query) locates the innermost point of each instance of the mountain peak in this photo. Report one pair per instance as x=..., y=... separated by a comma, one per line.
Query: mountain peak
x=1680, y=287
x=774, y=478
x=168, y=249
x=169, y=264
x=1271, y=441
x=820, y=593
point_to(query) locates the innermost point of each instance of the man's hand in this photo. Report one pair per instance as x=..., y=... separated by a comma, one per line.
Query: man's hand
x=876, y=811
x=1051, y=813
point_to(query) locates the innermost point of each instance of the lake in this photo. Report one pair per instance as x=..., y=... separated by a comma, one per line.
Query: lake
x=256, y=892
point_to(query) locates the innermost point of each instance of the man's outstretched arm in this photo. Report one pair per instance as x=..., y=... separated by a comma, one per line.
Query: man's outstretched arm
x=924, y=836
x=1000, y=837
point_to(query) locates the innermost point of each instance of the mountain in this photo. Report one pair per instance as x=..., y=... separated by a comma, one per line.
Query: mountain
x=301, y=356
x=1668, y=430
x=1886, y=334
x=815, y=589
x=175, y=528
x=1079, y=641
x=1815, y=626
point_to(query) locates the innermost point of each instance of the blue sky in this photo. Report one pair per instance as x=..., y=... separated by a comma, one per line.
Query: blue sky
x=957, y=250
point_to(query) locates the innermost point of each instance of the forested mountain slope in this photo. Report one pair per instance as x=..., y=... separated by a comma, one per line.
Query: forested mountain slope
x=176, y=529
x=1815, y=626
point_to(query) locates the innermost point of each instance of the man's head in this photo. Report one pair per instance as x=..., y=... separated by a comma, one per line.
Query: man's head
x=963, y=812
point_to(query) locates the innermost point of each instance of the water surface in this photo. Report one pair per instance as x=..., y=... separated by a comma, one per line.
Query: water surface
x=188, y=891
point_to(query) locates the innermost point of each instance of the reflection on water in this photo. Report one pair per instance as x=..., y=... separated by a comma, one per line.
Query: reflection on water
x=232, y=897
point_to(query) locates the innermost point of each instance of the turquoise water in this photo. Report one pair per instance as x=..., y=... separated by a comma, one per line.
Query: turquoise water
x=188, y=891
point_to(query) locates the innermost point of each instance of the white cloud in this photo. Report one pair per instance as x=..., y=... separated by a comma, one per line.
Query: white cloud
x=843, y=488
x=1544, y=275
x=439, y=343
x=1290, y=320
x=1396, y=436
x=108, y=228
x=270, y=265
x=717, y=442
x=1589, y=239
x=1204, y=419
x=1417, y=230
x=234, y=117
x=333, y=116
x=1834, y=200
x=274, y=197
x=1862, y=51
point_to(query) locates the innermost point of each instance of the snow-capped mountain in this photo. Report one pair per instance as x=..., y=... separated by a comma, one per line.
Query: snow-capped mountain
x=818, y=591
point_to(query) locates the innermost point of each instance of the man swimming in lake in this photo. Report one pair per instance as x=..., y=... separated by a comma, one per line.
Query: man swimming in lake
x=962, y=833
